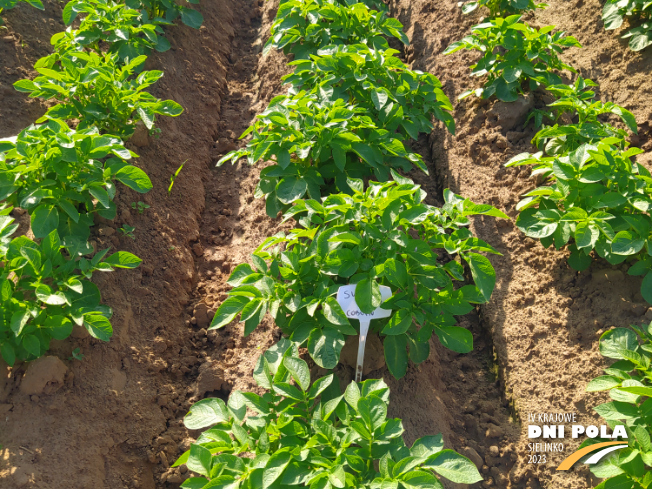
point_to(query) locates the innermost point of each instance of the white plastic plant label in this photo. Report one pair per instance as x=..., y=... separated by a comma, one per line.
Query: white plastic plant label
x=346, y=300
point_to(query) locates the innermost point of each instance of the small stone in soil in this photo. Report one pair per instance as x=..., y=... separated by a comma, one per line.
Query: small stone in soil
x=494, y=431
x=224, y=146
x=174, y=479
x=211, y=378
x=201, y=315
x=198, y=249
x=472, y=455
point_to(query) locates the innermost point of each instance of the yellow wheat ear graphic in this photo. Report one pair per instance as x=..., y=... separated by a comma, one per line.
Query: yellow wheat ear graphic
x=608, y=447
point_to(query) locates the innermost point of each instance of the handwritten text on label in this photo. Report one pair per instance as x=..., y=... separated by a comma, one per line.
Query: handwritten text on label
x=346, y=299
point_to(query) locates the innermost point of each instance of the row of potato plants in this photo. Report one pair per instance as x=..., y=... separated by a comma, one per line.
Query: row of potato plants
x=163, y=11
x=351, y=104
x=63, y=170
x=594, y=198
x=614, y=13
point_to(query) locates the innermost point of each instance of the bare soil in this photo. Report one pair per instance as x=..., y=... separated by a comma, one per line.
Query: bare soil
x=113, y=420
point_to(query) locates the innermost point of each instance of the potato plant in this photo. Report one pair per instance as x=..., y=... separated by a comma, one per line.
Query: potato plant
x=98, y=90
x=578, y=103
x=303, y=434
x=515, y=56
x=317, y=144
x=168, y=11
x=501, y=7
x=110, y=22
x=384, y=235
x=629, y=382
x=395, y=97
x=62, y=177
x=45, y=289
x=597, y=197
x=302, y=27
x=614, y=13
x=348, y=111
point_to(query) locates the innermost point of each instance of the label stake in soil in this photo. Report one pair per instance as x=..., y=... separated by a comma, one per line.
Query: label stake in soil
x=346, y=300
